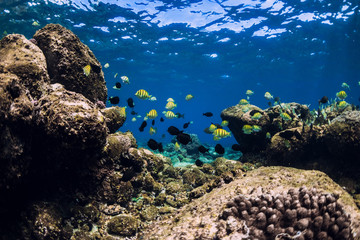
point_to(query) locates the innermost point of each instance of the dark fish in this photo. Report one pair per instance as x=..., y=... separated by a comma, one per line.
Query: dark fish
x=173, y=130
x=217, y=125
x=114, y=100
x=277, y=99
x=206, y=130
x=133, y=112
x=323, y=100
x=179, y=115
x=152, y=144
x=199, y=163
x=160, y=147
x=236, y=147
x=130, y=102
x=161, y=119
x=203, y=149
x=219, y=149
x=183, y=138
x=143, y=125
x=186, y=125
x=208, y=114
x=153, y=122
x=117, y=85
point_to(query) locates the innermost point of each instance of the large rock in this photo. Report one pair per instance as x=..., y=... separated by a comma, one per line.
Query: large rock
x=216, y=214
x=24, y=59
x=66, y=56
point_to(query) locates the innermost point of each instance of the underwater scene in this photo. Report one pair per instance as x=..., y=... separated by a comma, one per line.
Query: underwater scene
x=157, y=119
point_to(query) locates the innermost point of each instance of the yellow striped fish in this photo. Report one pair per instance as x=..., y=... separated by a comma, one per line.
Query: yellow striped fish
x=87, y=70
x=221, y=133
x=142, y=94
x=212, y=128
x=152, y=131
x=169, y=114
x=170, y=106
x=152, y=114
x=189, y=97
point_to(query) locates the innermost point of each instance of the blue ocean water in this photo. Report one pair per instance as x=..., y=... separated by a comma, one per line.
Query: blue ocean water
x=298, y=50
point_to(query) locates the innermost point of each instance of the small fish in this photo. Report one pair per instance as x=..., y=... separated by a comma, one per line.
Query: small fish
x=170, y=100
x=186, y=125
x=236, y=147
x=152, y=99
x=345, y=85
x=152, y=144
x=221, y=133
x=117, y=86
x=224, y=123
x=163, y=135
x=199, y=163
x=285, y=116
x=256, y=128
x=106, y=65
x=169, y=114
x=243, y=102
x=268, y=135
x=219, y=149
x=35, y=24
x=133, y=119
x=189, y=97
x=342, y=104
x=116, y=74
x=87, y=70
x=183, y=138
x=203, y=149
x=341, y=95
x=268, y=96
x=208, y=114
x=133, y=112
x=212, y=128
x=173, y=130
x=179, y=115
x=247, y=129
x=114, y=100
x=142, y=94
x=153, y=122
x=160, y=147
x=146, y=118
x=256, y=116
x=130, y=102
x=125, y=79
x=249, y=93
x=142, y=126
x=323, y=100
x=170, y=105
x=152, y=114
x=152, y=131
x=161, y=119
x=177, y=146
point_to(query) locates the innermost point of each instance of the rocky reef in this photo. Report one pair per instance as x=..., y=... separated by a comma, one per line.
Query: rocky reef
x=68, y=173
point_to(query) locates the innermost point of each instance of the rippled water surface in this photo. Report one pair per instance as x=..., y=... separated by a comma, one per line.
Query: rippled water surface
x=215, y=50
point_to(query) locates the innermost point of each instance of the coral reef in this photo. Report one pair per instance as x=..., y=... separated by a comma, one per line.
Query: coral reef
x=66, y=56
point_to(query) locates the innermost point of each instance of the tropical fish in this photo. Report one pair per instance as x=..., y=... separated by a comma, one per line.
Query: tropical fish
x=153, y=122
x=323, y=100
x=152, y=131
x=133, y=119
x=224, y=123
x=208, y=114
x=186, y=125
x=161, y=119
x=345, y=85
x=169, y=114
x=142, y=94
x=117, y=86
x=152, y=144
x=142, y=126
x=245, y=109
x=203, y=149
x=177, y=146
x=146, y=118
x=116, y=74
x=256, y=116
x=170, y=100
x=243, y=102
x=247, y=129
x=114, y=100
x=341, y=95
x=170, y=105
x=268, y=96
x=152, y=114
x=285, y=116
x=183, y=138
x=130, y=102
x=342, y=104
x=35, y=24
x=152, y=99
x=106, y=65
x=212, y=128
x=189, y=97
x=133, y=112
x=249, y=92
x=125, y=79
x=268, y=135
x=173, y=130
x=221, y=133
x=87, y=70
x=256, y=128
x=219, y=149
x=199, y=163
x=179, y=115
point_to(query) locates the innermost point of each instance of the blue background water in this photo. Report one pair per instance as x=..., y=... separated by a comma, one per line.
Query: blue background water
x=214, y=50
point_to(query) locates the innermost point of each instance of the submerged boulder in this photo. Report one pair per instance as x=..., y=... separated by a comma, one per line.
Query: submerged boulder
x=66, y=56
x=24, y=59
